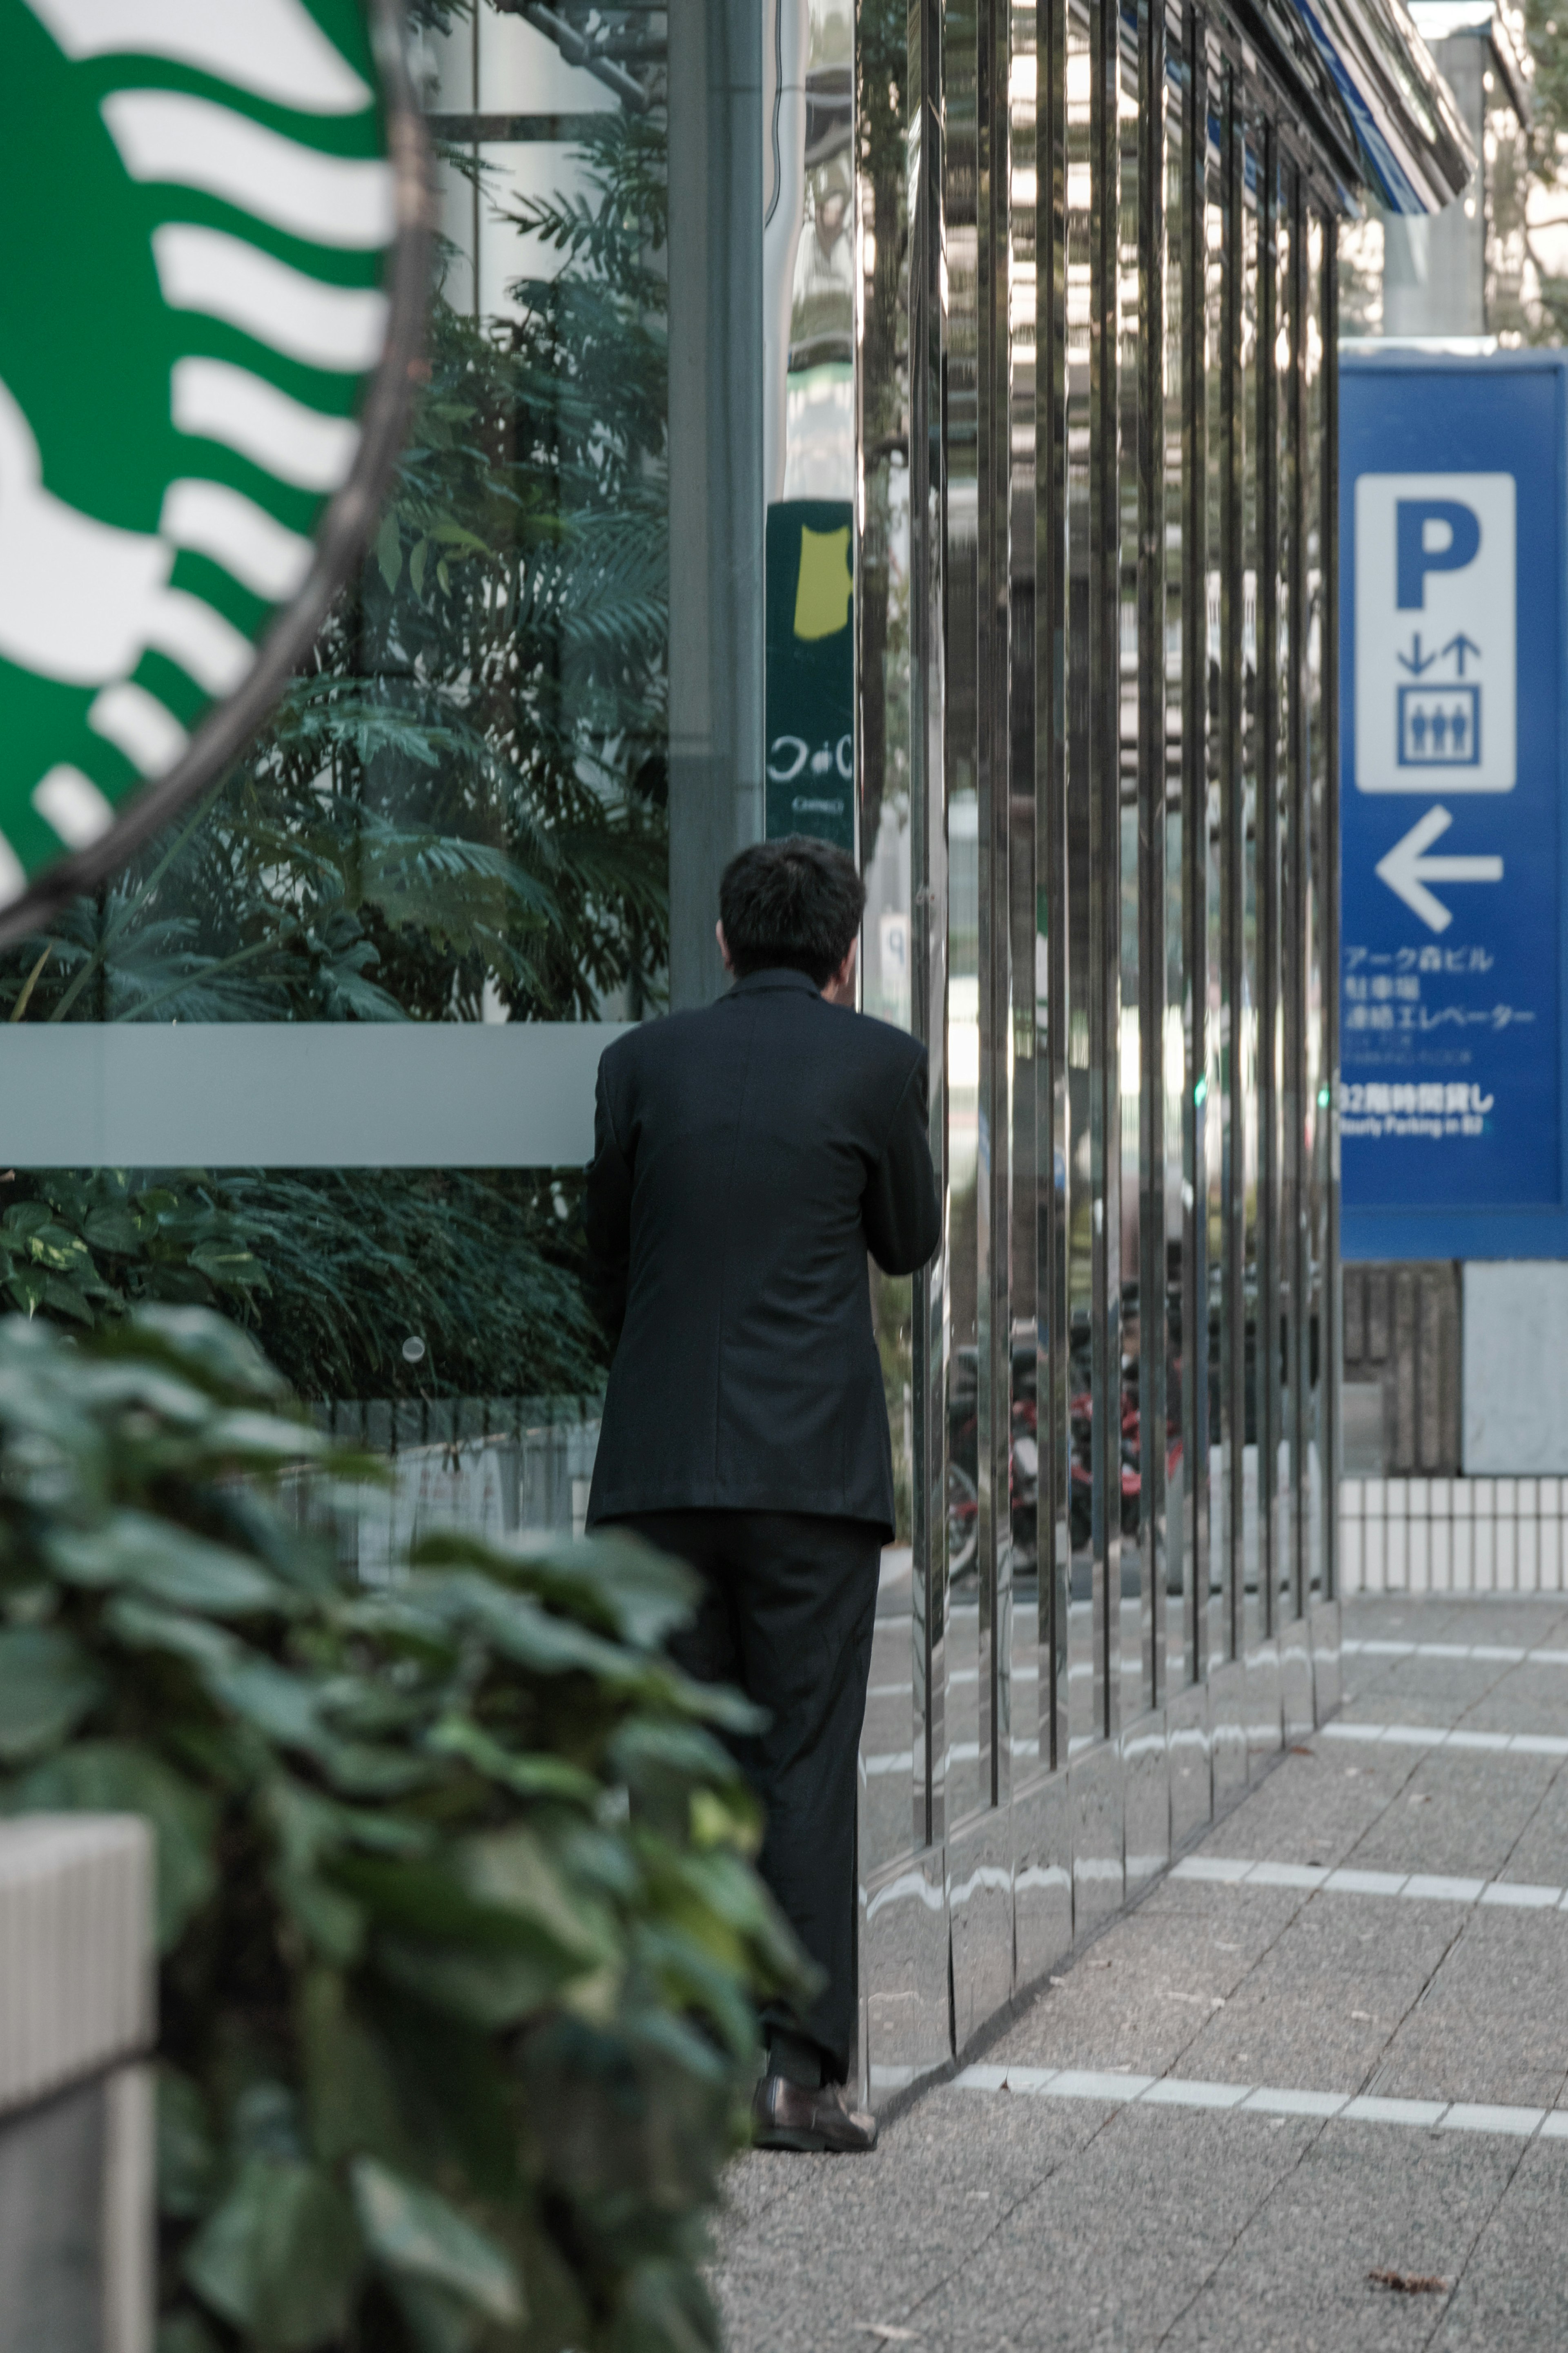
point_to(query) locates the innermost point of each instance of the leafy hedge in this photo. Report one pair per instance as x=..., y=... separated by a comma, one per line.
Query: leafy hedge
x=461, y=1944
x=332, y=1269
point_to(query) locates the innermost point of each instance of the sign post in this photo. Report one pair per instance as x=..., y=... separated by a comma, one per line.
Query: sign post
x=1452, y=982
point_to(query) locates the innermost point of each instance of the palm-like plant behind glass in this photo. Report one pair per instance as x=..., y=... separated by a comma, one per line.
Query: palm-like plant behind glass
x=459, y=807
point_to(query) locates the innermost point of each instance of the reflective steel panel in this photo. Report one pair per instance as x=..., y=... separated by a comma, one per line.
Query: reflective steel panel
x=1092, y=571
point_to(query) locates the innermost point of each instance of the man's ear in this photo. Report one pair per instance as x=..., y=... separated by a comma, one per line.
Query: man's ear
x=723, y=946
x=841, y=989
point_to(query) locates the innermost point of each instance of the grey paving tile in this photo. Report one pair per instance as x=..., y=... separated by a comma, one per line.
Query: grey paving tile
x=1513, y=2295
x=1540, y=1850
x=862, y=2239
x=1108, y=2253
x=1296, y=2280
x=1003, y=2223
x=1379, y=1704
x=1504, y=1710
x=1520, y=1617
x=1457, y=1811
x=1398, y=1618
x=1140, y=1993
x=1312, y=1809
x=1543, y=1689
x=1492, y=2025
x=1423, y=1691
x=1321, y=2007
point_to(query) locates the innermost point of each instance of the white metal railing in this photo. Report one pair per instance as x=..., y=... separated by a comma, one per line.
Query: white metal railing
x=1453, y=1536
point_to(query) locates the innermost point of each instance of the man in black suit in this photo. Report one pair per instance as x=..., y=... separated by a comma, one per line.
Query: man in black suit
x=746, y=1159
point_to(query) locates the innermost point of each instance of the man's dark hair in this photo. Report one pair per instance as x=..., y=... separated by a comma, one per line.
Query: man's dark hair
x=796, y=903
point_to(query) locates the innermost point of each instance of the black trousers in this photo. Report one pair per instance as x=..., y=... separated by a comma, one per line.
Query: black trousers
x=787, y=1615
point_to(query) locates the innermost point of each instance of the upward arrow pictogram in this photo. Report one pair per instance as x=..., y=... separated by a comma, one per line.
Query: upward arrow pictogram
x=1459, y=647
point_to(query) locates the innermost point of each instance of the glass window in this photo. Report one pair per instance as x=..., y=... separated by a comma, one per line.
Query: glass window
x=458, y=815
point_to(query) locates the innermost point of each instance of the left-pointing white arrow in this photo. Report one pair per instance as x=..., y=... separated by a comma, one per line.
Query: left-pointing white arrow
x=1406, y=872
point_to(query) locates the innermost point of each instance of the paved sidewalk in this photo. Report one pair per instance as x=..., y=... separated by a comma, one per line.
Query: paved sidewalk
x=1332, y=2042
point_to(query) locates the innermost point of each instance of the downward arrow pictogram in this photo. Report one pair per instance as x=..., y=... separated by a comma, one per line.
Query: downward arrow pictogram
x=1407, y=871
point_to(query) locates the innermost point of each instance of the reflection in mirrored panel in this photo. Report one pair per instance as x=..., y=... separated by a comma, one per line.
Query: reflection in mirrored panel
x=1208, y=907
x=1245, y=909
x=997, y=1041
x=893, y=1747
x=971, y=1533
x=1084, y=1704
x=925, y=216
x=1144, y=1321
x=1124, y=1367
x=1279, y=691
x=1269, y=641
x=1101, y=774
x=1131, y=1601
x=1315, y=1109
x=1290, y=899
x=1028, y=1679
x=1053, y=1421
x=1165, y=1322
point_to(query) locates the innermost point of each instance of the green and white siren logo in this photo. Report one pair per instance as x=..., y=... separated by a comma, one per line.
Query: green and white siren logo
x=212, y=214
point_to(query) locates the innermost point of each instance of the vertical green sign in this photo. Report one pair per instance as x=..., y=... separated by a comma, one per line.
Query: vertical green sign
x=810, y=699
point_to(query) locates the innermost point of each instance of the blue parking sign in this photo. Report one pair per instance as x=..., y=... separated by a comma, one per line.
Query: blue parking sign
x=1451, y=841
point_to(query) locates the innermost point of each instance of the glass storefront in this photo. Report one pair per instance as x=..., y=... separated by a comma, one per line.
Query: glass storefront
x=912, y=425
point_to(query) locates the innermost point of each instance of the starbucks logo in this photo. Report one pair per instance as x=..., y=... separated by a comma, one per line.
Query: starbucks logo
x=212, y=223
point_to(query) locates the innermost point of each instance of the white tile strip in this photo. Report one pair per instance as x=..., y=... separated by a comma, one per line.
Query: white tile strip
x=1416, y=1886
x=1433, y=1735
x=1117, y=2090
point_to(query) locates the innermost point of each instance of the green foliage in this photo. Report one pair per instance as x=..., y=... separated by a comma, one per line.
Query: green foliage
x=83, y=1248
x=460, y=1941
x=332, y=1269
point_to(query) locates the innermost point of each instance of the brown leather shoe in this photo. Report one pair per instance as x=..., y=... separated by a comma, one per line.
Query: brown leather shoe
x=787, y=2116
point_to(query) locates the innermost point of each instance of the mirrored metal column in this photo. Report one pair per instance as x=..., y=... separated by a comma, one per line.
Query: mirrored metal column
x=1187, y=1700
x=1030, y=1617
x=1085, y=1704
x=901, y=282
x=1054, y=149
x=1196, y=1117
x=969, y=1543
x=1130, y=1600
x=1150, y=689
x=1093, y=559
x=886, y=701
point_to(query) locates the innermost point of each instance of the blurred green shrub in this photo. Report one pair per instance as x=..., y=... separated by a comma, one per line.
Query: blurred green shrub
x=332, y=1269
x=462, y=1944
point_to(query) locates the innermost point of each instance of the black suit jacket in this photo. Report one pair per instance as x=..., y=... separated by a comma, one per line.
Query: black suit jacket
x=746, y=1158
